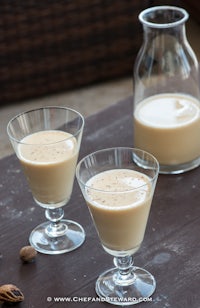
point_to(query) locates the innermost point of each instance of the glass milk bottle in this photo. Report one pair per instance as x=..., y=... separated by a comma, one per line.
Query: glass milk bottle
x=166, y=115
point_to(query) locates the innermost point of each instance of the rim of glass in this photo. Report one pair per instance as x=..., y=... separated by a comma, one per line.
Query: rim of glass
x=182, y=20
x=40, y=108
x=120, y=148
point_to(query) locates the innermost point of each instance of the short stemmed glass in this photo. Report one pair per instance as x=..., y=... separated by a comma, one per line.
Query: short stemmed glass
x=118, y=186
x=47, y=142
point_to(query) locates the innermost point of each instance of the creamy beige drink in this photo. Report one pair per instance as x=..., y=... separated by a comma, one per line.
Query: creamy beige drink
x=49, y=160
x=168, y=126
x=119, y=201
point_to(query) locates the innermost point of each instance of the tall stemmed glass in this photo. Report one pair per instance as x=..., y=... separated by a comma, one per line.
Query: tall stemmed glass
x=118, y=186
x=47, y=141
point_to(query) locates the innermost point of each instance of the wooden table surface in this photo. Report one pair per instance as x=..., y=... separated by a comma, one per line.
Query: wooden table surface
x=170, y=251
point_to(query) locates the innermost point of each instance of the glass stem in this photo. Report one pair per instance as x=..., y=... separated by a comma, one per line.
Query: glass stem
x=125, y=273
x=55, y=228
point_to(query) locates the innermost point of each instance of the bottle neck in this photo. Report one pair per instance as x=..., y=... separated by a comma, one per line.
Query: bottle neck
x=177, y=33
x=168, y=20
x=166, y=62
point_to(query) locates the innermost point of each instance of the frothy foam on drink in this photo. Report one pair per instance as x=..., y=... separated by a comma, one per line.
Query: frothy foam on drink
x=118, y=188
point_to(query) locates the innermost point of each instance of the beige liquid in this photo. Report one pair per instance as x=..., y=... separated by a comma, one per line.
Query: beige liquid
x=168, y=126
x=49, y=161
x=120, y=210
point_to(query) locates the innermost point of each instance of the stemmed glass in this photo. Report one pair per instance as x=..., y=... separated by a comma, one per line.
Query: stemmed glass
x=47, y=142
x=118, y=186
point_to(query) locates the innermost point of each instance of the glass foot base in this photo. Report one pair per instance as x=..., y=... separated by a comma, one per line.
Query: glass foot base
x=139, y=287
x=72, y=239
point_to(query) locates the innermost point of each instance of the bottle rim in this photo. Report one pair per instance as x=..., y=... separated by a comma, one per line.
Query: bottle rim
x=148, y=13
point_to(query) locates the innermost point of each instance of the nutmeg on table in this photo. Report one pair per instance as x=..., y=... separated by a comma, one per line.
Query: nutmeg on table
x=10, y=293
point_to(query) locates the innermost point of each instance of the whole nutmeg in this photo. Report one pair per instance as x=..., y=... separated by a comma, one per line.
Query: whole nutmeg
x=10, y=293
x=27, y=253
